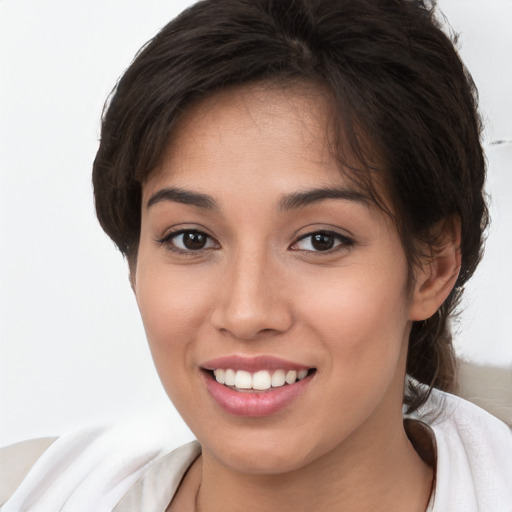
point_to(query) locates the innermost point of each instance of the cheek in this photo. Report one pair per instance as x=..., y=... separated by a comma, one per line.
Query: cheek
x=172, y=309
x=361, y=319
x=172, y=306
x=358, y=302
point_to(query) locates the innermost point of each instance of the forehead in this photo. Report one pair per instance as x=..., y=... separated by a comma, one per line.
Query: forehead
x=254, y=134
x=262, y=109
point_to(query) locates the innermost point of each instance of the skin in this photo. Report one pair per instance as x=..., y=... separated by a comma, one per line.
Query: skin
x=260, y=287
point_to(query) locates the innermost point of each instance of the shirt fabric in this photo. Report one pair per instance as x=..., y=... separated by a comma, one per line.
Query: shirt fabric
x=126, y=469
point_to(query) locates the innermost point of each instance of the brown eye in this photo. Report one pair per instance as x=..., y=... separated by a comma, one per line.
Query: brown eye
x=194, y=241
x=188, y=241
x=322, y=241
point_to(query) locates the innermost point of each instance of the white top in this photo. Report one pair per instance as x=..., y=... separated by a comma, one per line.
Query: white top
x=118, y=469
x=474, y=456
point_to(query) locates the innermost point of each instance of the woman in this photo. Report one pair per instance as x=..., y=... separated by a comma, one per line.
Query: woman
x=297, y=187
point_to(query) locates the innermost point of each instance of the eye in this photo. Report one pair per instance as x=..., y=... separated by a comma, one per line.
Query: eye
x=321, y=241
x=189, y=240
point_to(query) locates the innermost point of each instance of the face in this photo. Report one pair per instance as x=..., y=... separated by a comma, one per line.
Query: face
x=261, y=266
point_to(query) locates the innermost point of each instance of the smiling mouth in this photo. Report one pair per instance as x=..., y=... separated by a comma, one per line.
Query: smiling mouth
x=262, y=380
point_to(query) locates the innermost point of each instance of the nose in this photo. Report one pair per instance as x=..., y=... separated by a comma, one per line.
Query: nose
x=252, y=301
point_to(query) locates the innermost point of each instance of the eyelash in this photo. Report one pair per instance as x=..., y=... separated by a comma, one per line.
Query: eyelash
x=340, y=241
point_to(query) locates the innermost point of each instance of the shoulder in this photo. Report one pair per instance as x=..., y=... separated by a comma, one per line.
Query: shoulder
x=474, y=455
x=91, y=469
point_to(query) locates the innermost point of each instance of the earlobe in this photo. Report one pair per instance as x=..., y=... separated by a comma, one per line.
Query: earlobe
x=438, y=273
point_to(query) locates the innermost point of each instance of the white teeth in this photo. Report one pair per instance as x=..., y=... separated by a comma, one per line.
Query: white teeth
x=261, y=380
x=278, y=378
x=243, y=380
x=229, y=377
x=219, y=375
x=291, y=377
x=301, y=374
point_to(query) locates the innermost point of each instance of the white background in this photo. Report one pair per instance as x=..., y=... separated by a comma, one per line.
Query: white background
x=73, y=350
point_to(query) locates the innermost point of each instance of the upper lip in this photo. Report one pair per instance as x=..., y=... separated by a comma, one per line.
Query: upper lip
x=253, y=363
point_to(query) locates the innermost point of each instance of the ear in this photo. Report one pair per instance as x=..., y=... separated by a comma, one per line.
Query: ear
x=437, y=274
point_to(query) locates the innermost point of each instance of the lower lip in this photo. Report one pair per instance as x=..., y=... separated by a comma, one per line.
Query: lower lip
x=255, y=403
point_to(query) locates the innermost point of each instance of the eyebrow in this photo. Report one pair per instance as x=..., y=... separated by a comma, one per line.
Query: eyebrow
x=308, y=197
x=291, y=201
x=179, y=195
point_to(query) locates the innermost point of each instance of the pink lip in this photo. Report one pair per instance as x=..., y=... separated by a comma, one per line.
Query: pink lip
x=252, y=364
x=254, y=404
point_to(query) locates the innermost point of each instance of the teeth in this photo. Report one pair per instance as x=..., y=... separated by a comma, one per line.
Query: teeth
x=229, y=377
x=261, y=380
x=278, y=378
x=291, y=377
x=243, y=380
x=220, y=375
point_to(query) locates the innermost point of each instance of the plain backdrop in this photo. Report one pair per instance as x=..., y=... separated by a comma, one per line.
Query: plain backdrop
x=73, y=350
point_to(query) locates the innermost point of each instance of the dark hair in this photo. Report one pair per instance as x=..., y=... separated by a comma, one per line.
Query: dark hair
x=398, y=89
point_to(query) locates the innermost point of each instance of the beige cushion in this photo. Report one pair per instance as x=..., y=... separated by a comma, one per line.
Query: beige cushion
x=16, y=461
x=489, y=387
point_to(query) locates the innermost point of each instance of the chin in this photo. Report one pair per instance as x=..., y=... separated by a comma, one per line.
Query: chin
x=264, y=452
x=263, y=462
